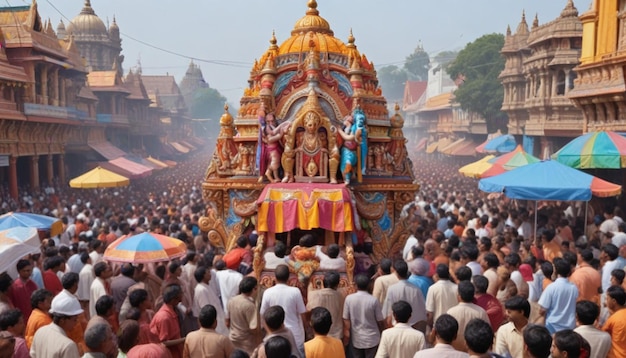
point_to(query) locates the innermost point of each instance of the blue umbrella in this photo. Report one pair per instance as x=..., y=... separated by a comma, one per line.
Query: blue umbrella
x=502, y=144
x=39, y=222
x=548, y=180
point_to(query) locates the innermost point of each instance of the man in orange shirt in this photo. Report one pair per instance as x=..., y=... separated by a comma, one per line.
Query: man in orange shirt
x=586, y=278
x=40, y=301
x=616, y=324
x=551, y=249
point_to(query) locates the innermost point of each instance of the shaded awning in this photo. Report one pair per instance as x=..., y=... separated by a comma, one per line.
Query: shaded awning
x=432, y=147
x=285, y=207
x=107, y=150
x=143, y=161
x=188, y=145
x=157, y=162
x=448, y=148
x=464, y=149
x=421, y=145
x=441, y=143
x=127, y=168
x=179, y=147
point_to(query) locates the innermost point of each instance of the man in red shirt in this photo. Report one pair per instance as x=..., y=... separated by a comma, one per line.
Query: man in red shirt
x=22, y=288
x=490, y=304
x=165, y=324
x=50, y=279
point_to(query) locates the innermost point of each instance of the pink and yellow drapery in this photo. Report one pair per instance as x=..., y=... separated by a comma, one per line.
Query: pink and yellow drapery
x=285, y=207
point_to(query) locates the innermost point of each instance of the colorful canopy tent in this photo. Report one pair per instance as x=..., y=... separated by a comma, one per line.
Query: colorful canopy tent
x=39, y=222
x=477, y=168
x=601, y=150
x=501, y=144
x=284, y=207
x=548, y=180
x=99, y=178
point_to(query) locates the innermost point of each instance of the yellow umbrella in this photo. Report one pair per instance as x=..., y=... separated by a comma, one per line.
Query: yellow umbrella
x=99, y=178
x=476, y=169
x=157, y=162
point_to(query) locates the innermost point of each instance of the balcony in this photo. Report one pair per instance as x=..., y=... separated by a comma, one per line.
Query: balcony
x=112, y=118
x=67, y=113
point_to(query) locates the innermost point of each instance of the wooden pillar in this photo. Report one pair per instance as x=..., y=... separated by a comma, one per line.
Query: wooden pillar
x=13, y=177
x=62, y=95
x=55, y=87
x=61, y=168
x=34, y=172
x=44, y=84
x=49, y=169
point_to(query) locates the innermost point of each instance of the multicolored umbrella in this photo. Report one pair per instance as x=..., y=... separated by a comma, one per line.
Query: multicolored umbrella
x=145, y=247
x=515, y=159
x=99, y=178
x=602, y=150
x=39, y=222
x=16, y=243
x=477, y=168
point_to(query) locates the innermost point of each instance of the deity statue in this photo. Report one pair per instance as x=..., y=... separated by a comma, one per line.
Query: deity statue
x=351, y=136
x=311, y=153
x=270, y=148
x=354, y=153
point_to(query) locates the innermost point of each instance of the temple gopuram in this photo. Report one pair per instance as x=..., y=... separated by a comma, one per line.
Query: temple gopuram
x=312, y=150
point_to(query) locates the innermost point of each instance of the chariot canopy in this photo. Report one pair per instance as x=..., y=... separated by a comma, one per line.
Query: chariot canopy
x=287, y=206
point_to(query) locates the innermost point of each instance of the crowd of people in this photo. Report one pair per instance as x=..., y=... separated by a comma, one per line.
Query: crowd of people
x=477, y=278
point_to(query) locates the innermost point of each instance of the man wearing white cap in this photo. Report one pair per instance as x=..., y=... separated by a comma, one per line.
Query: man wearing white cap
x=52, y=340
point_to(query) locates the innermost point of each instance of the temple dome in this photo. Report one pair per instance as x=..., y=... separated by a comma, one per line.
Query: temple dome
x=87, y=25
x=312, y=28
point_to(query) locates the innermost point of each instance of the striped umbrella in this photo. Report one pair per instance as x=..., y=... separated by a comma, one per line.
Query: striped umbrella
x=594, y=150
x=145, y=247
x=515, y=159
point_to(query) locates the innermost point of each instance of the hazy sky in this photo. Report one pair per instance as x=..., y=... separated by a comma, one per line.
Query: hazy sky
x=234, y=33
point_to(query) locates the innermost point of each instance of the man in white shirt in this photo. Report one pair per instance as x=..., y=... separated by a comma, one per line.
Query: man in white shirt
x=401, y=340
x=204, y=295
x=386, y=279
x=290, y=299
x=445, y=332
x=465, y=311
x=587, y=313
x=85, y=279
x=441, y=296
x=99, y=286
x=276, y=257
x=332, y=261
x=228, y=282
x=509, y=338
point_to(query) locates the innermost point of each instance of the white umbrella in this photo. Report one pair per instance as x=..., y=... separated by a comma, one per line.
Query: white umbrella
x=16, y=243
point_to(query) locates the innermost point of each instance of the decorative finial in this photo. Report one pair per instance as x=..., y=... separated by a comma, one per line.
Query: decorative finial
x=351, y=38
x=523, y=15
x=312, y=8
x=508, y=30
x=273, y=39
x=226, y=107
x=536, y=21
